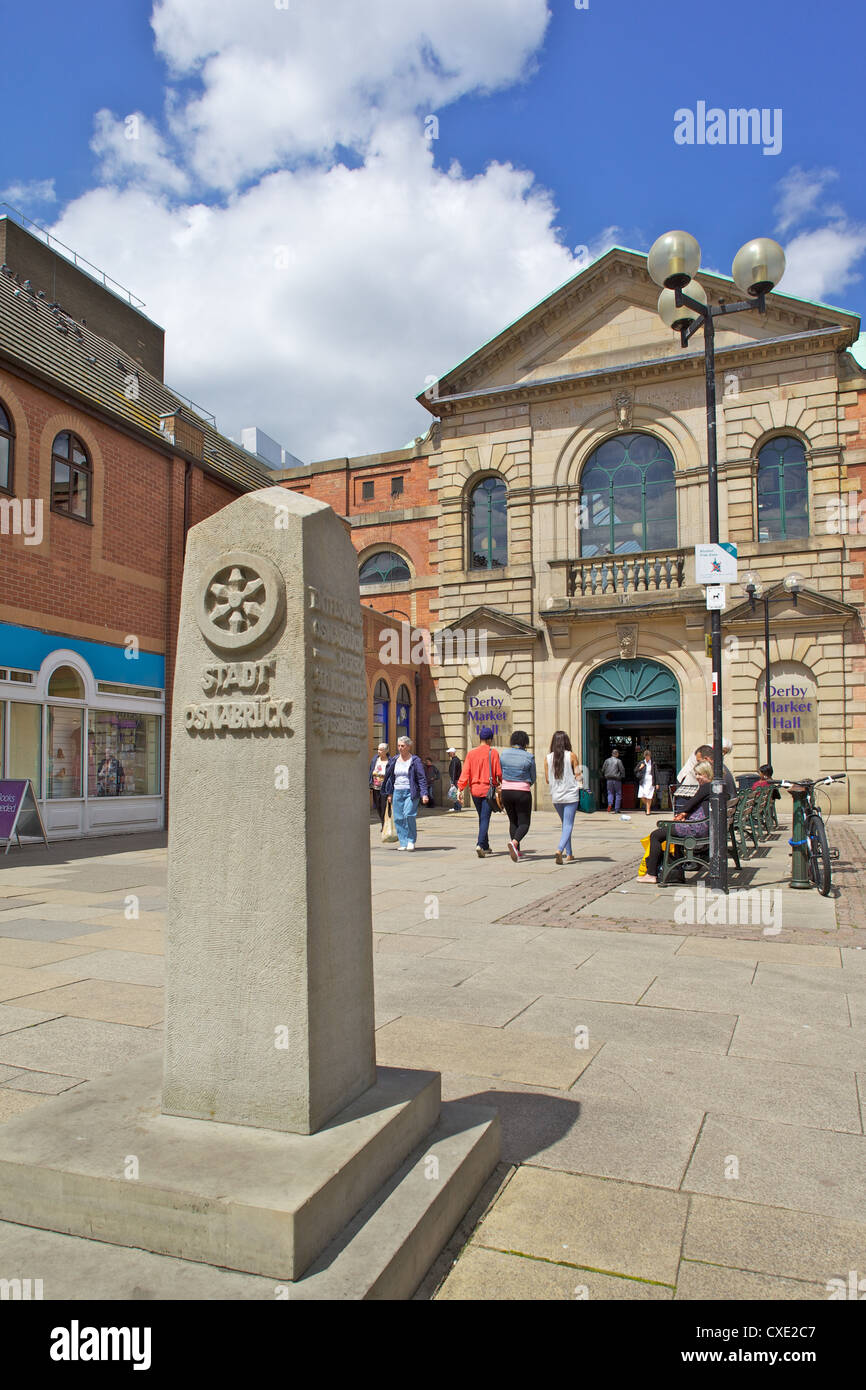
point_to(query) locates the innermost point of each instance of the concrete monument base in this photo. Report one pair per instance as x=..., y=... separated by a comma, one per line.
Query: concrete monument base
x=373, y=1196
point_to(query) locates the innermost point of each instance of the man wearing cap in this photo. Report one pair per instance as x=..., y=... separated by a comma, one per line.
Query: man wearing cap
x=455, y=767
x=482, y=772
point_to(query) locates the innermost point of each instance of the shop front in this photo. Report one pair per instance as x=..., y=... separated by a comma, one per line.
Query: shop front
x=84, y=722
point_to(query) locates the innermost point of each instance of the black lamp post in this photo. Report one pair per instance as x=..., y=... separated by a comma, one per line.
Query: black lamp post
x=755, y=590
x=673, y=261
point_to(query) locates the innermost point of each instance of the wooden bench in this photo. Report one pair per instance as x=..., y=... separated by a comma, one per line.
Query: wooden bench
x=695, y=848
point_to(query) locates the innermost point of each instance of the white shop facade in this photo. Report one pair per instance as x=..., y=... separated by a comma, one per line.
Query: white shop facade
x=84, y=721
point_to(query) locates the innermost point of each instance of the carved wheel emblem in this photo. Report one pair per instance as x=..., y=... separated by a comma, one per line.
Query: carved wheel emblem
x=241, y=600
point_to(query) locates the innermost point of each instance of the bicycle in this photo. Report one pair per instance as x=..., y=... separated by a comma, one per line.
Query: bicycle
x=818, y=851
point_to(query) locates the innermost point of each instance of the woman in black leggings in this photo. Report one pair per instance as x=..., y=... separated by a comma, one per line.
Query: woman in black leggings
x=704, y=774
x=515, y=795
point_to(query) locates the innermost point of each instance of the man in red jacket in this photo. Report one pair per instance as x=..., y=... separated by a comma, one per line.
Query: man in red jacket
x=481, y=769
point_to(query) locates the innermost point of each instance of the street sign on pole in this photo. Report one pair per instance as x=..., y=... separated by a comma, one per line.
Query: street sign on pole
x=715, y=596
x=716, y=563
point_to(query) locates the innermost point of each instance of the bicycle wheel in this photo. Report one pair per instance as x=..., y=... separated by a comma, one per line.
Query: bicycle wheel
x=819, y=855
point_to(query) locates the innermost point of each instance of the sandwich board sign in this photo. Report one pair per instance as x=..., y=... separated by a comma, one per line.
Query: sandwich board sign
x=716, y=563
x=19, y=813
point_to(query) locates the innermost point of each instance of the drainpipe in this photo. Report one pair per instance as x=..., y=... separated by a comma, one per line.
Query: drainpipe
x=187, y=490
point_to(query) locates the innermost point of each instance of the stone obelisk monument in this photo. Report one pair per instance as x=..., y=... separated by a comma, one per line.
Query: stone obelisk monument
x=266, y=1140
x=269, y=1016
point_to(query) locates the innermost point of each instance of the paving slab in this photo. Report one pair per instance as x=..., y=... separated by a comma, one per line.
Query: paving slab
x=111, y=1001
x=788, y=1040
x=773, y=1240
x=459, y=1003
x=771, y=952
x=491, y=1275
x=127, y=967
x=34, y=929
x=818, y=1098
x=705, y=1283
x=43, y=1082
x=477, y=1050
x=14, y=1103
x=12, y=1018
x=610, y=1227
x=130, y=938
x=423, y=970
x=29, y=954
x=557, y=1016
x=88, y=1047
x=779, y=1165
x=555, y=942
x=16, y=982
x=54, y=912
x=405, y=945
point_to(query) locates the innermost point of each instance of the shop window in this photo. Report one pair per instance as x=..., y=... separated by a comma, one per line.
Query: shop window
x=66, y=684
x=139, y=692
x=64, y=752
x=488, y=541
x=783, y=506
x=385, y=567
x=381, y=712
x=628, y=497
x=7, y=449
x=25, y=744
x=404, y=712
x=71, y=476
x=122, y=753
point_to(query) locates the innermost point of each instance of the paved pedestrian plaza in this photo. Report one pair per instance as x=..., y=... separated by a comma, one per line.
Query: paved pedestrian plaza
x=680, y=1080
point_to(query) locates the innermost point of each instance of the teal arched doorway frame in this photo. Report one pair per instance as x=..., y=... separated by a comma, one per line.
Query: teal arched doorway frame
x=626, y=687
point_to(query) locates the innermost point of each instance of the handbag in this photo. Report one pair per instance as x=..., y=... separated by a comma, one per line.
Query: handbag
x=491, y=790
x=389, y=834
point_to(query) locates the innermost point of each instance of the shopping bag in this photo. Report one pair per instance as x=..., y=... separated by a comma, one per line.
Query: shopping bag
x=389, y=834
x=645, y=842
x=453, y=793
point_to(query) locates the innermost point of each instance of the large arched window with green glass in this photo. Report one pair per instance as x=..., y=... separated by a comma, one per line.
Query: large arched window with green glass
x=628, y=497
x=783, y=503
x=385, y=567
x=488, y=525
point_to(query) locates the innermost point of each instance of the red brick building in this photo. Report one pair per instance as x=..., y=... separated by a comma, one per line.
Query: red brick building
x=102, y=472
x=392, y=515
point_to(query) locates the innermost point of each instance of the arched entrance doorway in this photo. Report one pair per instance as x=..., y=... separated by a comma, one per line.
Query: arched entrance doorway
x=630, y=705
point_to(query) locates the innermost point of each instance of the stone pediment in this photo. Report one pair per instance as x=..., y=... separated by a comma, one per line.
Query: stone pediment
x=494, y=623
x=606, y=319
x=811, y=608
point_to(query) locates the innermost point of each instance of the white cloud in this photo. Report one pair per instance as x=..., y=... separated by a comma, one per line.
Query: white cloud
x=316, y=302
x=283, y=85
x=131, y=150
x=820, y=263
x=799, y=192
x=24, y=195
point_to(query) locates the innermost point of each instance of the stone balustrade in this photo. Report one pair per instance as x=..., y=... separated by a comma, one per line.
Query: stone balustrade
x=641, y=572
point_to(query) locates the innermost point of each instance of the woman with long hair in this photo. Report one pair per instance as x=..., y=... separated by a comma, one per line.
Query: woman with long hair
x=515, y=794
x=563, y=776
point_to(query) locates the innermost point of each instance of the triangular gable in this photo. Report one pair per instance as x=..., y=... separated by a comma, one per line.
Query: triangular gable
x=493, y=622
x=606, y=318
x=810, y=606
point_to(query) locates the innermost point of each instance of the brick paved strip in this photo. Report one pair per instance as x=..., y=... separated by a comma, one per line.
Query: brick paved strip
x=562, y=909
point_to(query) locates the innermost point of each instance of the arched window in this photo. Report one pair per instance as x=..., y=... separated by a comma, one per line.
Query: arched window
x=7, y=449
x=71, y=476
x=404, y=712
x=488, y=525
x=66, y=684
x=385, y=567
x=783, y=504
x=381, y=712
x=628, y=497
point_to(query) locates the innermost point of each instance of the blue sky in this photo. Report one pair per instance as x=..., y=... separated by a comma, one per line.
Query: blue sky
x=573, y=147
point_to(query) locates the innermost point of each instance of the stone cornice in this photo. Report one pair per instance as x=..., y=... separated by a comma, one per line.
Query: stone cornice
x=829, y=338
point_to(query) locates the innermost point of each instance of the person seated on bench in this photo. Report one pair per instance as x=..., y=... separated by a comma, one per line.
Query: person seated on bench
x=692, y=820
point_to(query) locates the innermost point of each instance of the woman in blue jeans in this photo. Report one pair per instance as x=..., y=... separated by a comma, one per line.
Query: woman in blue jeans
x=562, y=774
x=405, y=785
